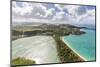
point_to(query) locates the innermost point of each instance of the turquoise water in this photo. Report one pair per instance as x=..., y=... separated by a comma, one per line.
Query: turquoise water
x=83, y=44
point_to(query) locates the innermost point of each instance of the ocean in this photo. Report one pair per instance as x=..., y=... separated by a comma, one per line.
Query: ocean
x=84, y=45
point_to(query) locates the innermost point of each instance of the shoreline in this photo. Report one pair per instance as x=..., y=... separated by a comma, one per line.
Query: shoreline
x=45, y=45
x=62, y=38
x=66, y=54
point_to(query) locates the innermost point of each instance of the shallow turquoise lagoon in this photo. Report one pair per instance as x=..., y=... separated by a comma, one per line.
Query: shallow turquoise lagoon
x=83, y=44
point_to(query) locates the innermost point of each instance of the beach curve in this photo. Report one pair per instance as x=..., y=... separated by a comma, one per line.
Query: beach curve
x=62, y=38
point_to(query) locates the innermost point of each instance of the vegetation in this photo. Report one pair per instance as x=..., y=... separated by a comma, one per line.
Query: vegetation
x=65, y=53
x=22, y=61
x=45, y=29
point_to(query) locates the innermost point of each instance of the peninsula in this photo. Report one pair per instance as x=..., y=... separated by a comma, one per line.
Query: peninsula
x=64, y=52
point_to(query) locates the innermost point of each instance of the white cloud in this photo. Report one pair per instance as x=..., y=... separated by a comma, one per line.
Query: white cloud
x=37, y=12
x=58, y=16
x=58, y=6
x=39, y=5
x=85, y=17
x=30, y=20
x=91, y=12
x=71, y=9
x=31, y=10
x=25, y=9
x=49, y=12
x=88, y=18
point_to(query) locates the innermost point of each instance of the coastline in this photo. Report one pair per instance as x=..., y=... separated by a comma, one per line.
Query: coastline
x=73, y=49
x=66, y=54
x=39, y=48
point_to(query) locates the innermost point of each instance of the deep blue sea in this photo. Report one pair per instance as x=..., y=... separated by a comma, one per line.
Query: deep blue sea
x=84, y=44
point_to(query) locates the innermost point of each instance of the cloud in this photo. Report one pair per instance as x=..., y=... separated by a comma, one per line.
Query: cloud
x=49, y=12
x=74, y=10
x=81, y=10
x=24, y=11
x=80, y=14
x=27, y=20
x=31, y=10
x=88, y=18
x=59, y=7
x=59, y=15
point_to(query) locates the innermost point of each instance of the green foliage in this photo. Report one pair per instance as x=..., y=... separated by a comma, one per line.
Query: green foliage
x=22, y=61
x=65, y=53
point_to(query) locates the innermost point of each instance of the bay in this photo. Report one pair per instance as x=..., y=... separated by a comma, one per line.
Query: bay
x=83, y=44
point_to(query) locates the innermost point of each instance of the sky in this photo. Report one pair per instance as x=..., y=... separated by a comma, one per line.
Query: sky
x=52, y=13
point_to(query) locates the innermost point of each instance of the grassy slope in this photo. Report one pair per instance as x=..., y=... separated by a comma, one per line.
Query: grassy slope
x=22, y=61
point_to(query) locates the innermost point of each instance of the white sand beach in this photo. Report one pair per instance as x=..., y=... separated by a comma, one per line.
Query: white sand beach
x=42, y=49
x=73, y=49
